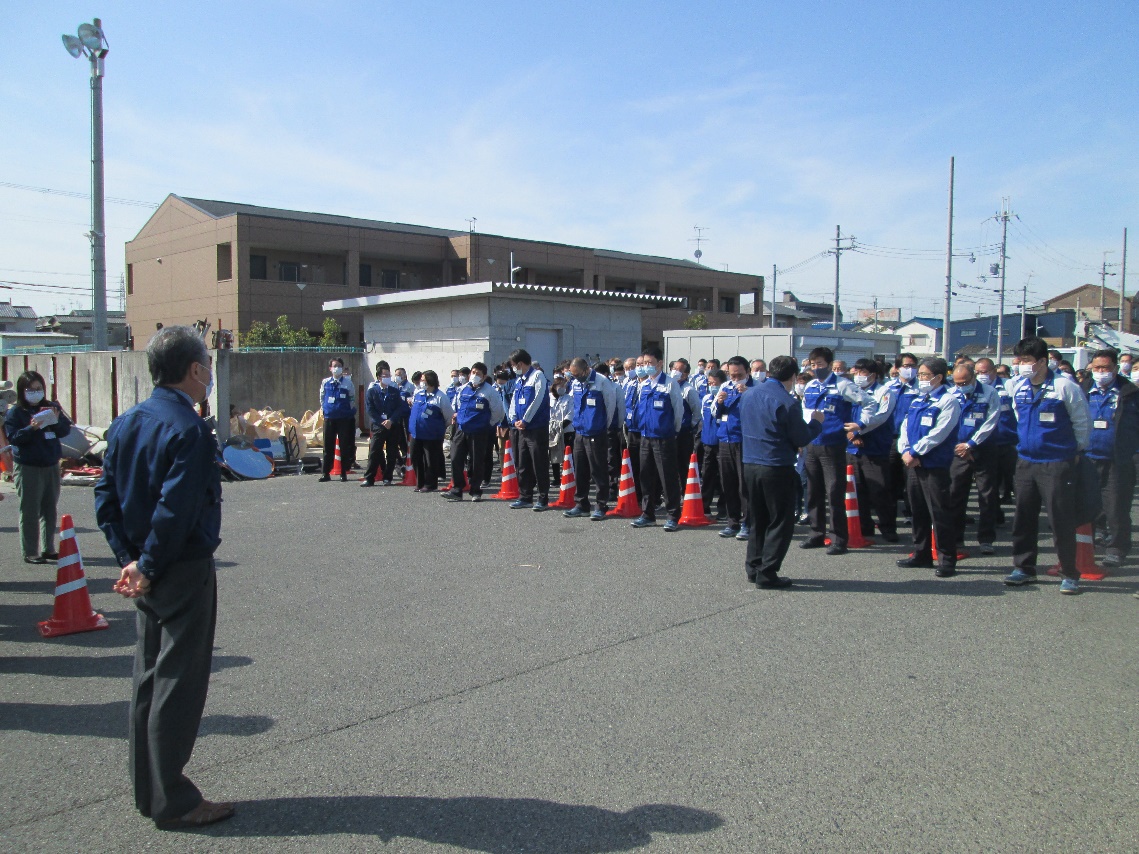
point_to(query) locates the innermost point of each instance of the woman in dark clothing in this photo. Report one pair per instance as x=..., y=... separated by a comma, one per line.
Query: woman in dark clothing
x=34, y=427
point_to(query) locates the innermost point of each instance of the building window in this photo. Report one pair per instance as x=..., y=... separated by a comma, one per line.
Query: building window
x=289, y=271
x=365, y=275
x=225, y=262
x=390, y=279
x=258, y=267
x=728, y=304
x=130, y=279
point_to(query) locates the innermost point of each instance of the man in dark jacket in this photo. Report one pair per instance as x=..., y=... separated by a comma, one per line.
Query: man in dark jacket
x=774, y=430
x=159, y=505
x=387, y=413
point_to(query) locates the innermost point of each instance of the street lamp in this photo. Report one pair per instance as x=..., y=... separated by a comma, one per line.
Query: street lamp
x=92, y=43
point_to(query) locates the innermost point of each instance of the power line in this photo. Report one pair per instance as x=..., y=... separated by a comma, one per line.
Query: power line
x=75, y=194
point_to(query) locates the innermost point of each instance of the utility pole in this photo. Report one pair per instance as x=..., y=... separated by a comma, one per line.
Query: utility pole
x=774, y=272
x=1123, y=285
x=1003, y=218
x=1103, y=274
x=837, y=252
x=948, y=273
x=1023, y=309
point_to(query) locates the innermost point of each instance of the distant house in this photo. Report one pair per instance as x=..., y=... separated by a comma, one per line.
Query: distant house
x=816, y=310
x=17, y=318
x=785, y=316
x=80, y=322
x=1086, y=299
x=921, y=336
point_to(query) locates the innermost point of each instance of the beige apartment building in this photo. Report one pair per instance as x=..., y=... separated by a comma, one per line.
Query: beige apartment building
x=232, y=264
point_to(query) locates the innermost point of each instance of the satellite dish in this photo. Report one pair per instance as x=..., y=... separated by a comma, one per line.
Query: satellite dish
x=699, y=254
x=91, y=36
x=248, y=463
x=73, y=45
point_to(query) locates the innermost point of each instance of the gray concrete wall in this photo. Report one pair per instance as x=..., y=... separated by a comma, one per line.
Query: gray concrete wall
x=585, y=326
x=766, y=344
x=437, y=336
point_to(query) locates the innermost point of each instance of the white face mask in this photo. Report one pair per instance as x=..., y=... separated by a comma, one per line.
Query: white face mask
x=1104, y=378
x=676, y=375
x=337, y=371
x=800, y=388
x=209, y=386
x=423, y=386
x=984, y=379
x=650, y=370
x=713, y=389
x=759, y=376
x=388, y=381
x=925, y=386
x=476, y=380
x=1025, y=369
x=33, y=397
x=1053, y=365
x=861, y=380
x=907, y=373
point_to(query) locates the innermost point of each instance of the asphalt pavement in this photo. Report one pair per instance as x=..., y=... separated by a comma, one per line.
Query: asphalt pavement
x=397, y=673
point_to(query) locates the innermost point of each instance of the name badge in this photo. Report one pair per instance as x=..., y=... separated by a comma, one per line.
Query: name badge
x=589, y=401
x=828, y=408
x=1100, y=425
x=972, y=420
x=332, y=400
x=658, y=404
x=1047, y=417
x=49, y=434
x=724, y=418
x=480, y=404
x=927, y=421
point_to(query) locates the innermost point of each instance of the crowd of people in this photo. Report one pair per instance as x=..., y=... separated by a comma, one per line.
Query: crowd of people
x=773, y=444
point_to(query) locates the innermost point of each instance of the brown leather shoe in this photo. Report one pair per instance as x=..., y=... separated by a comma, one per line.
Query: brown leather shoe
x=203, y=814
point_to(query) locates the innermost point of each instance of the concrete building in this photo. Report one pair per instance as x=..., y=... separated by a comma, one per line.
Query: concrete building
x=80, y=322
x=446, y=328
x=1086, y=299
x=234, y=263
x=17, y=318
x=921, y=336
x=766, y=344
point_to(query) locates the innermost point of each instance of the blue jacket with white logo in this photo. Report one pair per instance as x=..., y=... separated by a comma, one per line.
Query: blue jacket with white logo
x=1052, y=421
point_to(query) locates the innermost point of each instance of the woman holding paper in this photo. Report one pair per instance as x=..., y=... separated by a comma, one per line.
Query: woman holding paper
x=34, y=427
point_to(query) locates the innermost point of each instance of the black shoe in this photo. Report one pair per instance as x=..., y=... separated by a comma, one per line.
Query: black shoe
x=815, y=542
x=945, y=572
x=912, y=562
x=34, y=559
x=452, y=496
x=890, y=536
x=836, y=549
x=367, y=483
x=777, y=583
x=324, y=479
x=343, y=478
x=49, y=556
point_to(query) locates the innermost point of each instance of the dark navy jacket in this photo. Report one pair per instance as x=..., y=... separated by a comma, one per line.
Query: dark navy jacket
x=32, y=447
x=771, y=419
x=1115, y=421
x=385, y=403
x=159, y=499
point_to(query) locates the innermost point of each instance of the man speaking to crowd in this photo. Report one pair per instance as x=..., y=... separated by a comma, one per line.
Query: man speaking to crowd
x=159, y=505
x=771, y=419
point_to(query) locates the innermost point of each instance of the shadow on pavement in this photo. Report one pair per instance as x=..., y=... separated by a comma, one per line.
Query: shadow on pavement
x=109, y=720
x=496, y=825
x=103, y=666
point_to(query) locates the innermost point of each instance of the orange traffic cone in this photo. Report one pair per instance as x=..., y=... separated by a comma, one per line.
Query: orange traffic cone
x=72, y=612
x=854, y=538
x=692, y=513
x=567, y=498
x=1085, y=556
x=509, y=489
x=961, y=553
x=627, y=506
x=466, y=482
x=336, y=467
x=408, y=472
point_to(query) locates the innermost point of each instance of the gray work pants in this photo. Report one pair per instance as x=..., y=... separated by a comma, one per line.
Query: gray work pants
x=38, y=488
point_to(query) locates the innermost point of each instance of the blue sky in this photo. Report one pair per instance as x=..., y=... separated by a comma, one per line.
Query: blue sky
x=613, y=125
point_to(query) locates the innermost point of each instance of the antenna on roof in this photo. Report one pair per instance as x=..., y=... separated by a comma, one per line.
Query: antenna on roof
x=698, y=239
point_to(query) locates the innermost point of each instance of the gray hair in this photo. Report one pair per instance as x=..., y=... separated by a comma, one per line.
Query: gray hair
x=172, y=351
x=935, y=365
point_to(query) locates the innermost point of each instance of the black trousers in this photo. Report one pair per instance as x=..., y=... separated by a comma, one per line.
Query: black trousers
x=770, y=519
x=428, y=461
x=633, y=440
x=826, y=491
x=658, y=470
x=616, y=445
x=684, y=443
x=731, y=461
x=1054, y=486
x=385, y=449
x=591, y=463
x=343, y=429
x=176, y=622
x=532, y=460
x=874, y=485
x=1117, y=486
x=1006, y=472
x=932, y=508
x=710, y=479
x=469, y=448
x=962, y=473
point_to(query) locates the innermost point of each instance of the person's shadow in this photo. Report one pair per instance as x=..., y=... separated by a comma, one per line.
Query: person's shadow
x=493, y=825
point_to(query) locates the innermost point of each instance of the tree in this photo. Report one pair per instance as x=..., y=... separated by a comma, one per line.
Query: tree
x=334, y=336
x=696, y=321
x=261, y=334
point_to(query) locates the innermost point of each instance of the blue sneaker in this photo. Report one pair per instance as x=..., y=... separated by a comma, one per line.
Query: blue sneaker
x=574, y=513
x=671, y=526
x=730, y=531
x=1018, y=578
x=1070, y=587
x=520, y=504
x=597, y=515
x=744, y=533
x=643, y=521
